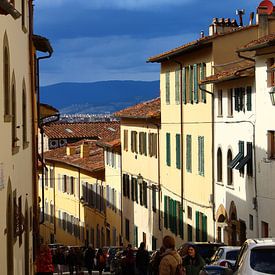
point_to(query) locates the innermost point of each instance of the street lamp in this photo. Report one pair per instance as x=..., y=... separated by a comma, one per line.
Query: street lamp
x=139, y=179
x=272, y=95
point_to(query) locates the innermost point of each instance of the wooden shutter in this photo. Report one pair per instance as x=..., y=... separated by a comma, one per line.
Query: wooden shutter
x=168, y=149
x=125, y=140
x=203, y=74
x=133, y=189
x=167, y=88
x=145, y=143
x=177, y=86
x=178, y=151
x=184, y=85
x=191, y=84
x=189, y=153
x=195, y=74
x=249, y=98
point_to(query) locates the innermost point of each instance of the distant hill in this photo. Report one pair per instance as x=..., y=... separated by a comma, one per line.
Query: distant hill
x=98, y=97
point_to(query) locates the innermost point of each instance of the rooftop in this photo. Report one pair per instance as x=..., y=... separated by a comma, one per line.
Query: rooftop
x=95, y=130
x=144, y=110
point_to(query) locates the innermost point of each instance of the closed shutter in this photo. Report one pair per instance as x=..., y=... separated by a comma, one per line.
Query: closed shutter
x=145, y=144
x=195, y=74
x=181, y=228
x=237, y=99
x=154, y=198
x=197, y=226
x=171, y=214
x=133, y=188
x=175, y=216
x=248, y=98
x=184, y=85
x=203, y=74
x=136, y=190
x=189, y=153
x=191, y=84
x=178, y=151
x=124, y=185
x=126, y=140
x=167, y=88
x=140, y=142
x=204, y=228
x=168, y=149
x=165, y=212
x=177, y=86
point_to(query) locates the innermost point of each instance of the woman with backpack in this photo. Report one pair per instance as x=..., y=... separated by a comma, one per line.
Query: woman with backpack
x=193, y=262
x=171, y=263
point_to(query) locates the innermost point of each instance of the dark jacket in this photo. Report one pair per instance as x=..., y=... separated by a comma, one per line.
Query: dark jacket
x=193, y=266
x=142, y=259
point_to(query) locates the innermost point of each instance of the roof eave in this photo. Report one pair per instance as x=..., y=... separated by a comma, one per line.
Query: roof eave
x=257, y=47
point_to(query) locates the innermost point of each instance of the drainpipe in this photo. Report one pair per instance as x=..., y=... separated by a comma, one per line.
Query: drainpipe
x=181, y=133
x=121, y=200
x=159, y=184
x=40, y=125
x=213, y=152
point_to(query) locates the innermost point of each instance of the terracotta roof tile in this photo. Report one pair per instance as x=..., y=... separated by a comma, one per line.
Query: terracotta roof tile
x=94, y=162
x=116, y=143
x=194, y=44
x=147, y=109
x=243, y=69
x=95, y=130
x=268, y=40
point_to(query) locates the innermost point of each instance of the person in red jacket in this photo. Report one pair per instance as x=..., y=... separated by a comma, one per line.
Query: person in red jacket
x=44, y=264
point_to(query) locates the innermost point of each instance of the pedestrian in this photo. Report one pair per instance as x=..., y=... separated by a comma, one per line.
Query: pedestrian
x=170, y=260
x=155, y=261
x=193, y=262
x=71, y=260
x=89, y=259
x=129, y=264
x=142, y=259
x=44, y=264
x=101, y=260
x=60, y=260
x=78, y=260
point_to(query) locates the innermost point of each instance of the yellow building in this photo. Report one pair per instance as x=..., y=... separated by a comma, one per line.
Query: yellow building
x=187, y=144
x=140, y=131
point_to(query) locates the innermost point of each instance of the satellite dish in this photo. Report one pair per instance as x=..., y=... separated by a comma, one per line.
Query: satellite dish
x=265, y=7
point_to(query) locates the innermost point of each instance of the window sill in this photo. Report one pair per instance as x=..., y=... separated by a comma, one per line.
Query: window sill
x=26, y=145
x=231, y=187
x=220, y=116
x=219, y=183
x=230, y=116
x=7, y=118
x=15, y=150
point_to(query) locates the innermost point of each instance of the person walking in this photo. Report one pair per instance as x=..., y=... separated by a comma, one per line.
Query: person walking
x=101, y=260
x=142, y=260
x=44, y=263
x=155, y=261
x=129, y=264
x=71, y=260
x=78, y=260
x=89, y=259
x=60, y=260
x=170, y=259
x=193, y=262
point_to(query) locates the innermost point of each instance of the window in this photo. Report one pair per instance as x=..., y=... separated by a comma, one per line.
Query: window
x=230, y=103
x=195, y=83
x=136, y=236
x=220, y=109
x=6, y=78
x=153, y=145
x=177, y=86
x=126, y=185
x=134, y=142
x=189, y=212
x=271, y=144
x=51, y=212
x=127, y=229
x=167, y=87
x=154, y=243
x=154, y=198
x=52, y=180
x=190, y=84
x=202, y=76
x=189, y=233
x=189, y=153
x=229, y=170
x=166, y=199
x=125, y=145
x=239, y=99
x=201, y=227
x=201, y=155
x=251, y=222
x=178, y=152
x=264, y=229
x=144, y=185
x=271, y=72
x=219, y=165
x=249, y=98
x=72, y=187
x=24, y=117
x=168, y=149
x=143, y=143
x=184, y=84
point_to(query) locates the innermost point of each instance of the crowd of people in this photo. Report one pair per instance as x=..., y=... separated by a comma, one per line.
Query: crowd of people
x=165, y=261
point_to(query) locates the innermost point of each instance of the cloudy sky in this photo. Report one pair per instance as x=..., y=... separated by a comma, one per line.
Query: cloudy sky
x=96, y=40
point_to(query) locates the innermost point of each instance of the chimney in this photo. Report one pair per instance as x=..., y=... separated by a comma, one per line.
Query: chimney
x=84, y=150
x=202, y=34
x=251, y=18
x=70, y=151
x=240, y=13
x=222, y=25
x=264, y=10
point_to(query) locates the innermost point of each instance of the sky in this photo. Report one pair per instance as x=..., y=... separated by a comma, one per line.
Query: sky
x=97, y=40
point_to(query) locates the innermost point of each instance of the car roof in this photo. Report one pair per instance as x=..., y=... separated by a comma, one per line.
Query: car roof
x=260, y=242
x=230, y=247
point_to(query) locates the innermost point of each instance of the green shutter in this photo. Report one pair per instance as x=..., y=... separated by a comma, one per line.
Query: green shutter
x=204, y=228
x=181, y=228
x=203, y=74
x=178, y=151
x=177, y=86
x=175, y=218
x=171, y=214
x=168, y=149
x=167, y=82
x=195, y=74
x=197, y=226
x=165, y=212
x=248, y=98
x=184, y=85
x=241, y=146
x=189, y=153
x=191, y=84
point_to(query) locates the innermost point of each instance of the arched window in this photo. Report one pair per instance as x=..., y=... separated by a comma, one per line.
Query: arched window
x=229, y=170
x=6, y=79
x=219, y=165
x=24, y=116
x=13, y=113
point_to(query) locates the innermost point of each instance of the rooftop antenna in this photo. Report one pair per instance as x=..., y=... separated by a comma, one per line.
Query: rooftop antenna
x=240, y=13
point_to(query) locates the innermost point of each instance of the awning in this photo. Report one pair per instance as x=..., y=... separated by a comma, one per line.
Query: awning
x=236, y=160
x=7, y=8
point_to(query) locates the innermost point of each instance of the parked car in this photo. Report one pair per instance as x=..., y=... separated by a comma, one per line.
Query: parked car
x=110, y=253
x=216, y=270
x=205, y=249
x=256, y=257
x=225, y=256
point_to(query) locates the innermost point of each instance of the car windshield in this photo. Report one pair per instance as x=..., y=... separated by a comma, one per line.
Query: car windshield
x=262, y=260
x=232, y=255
